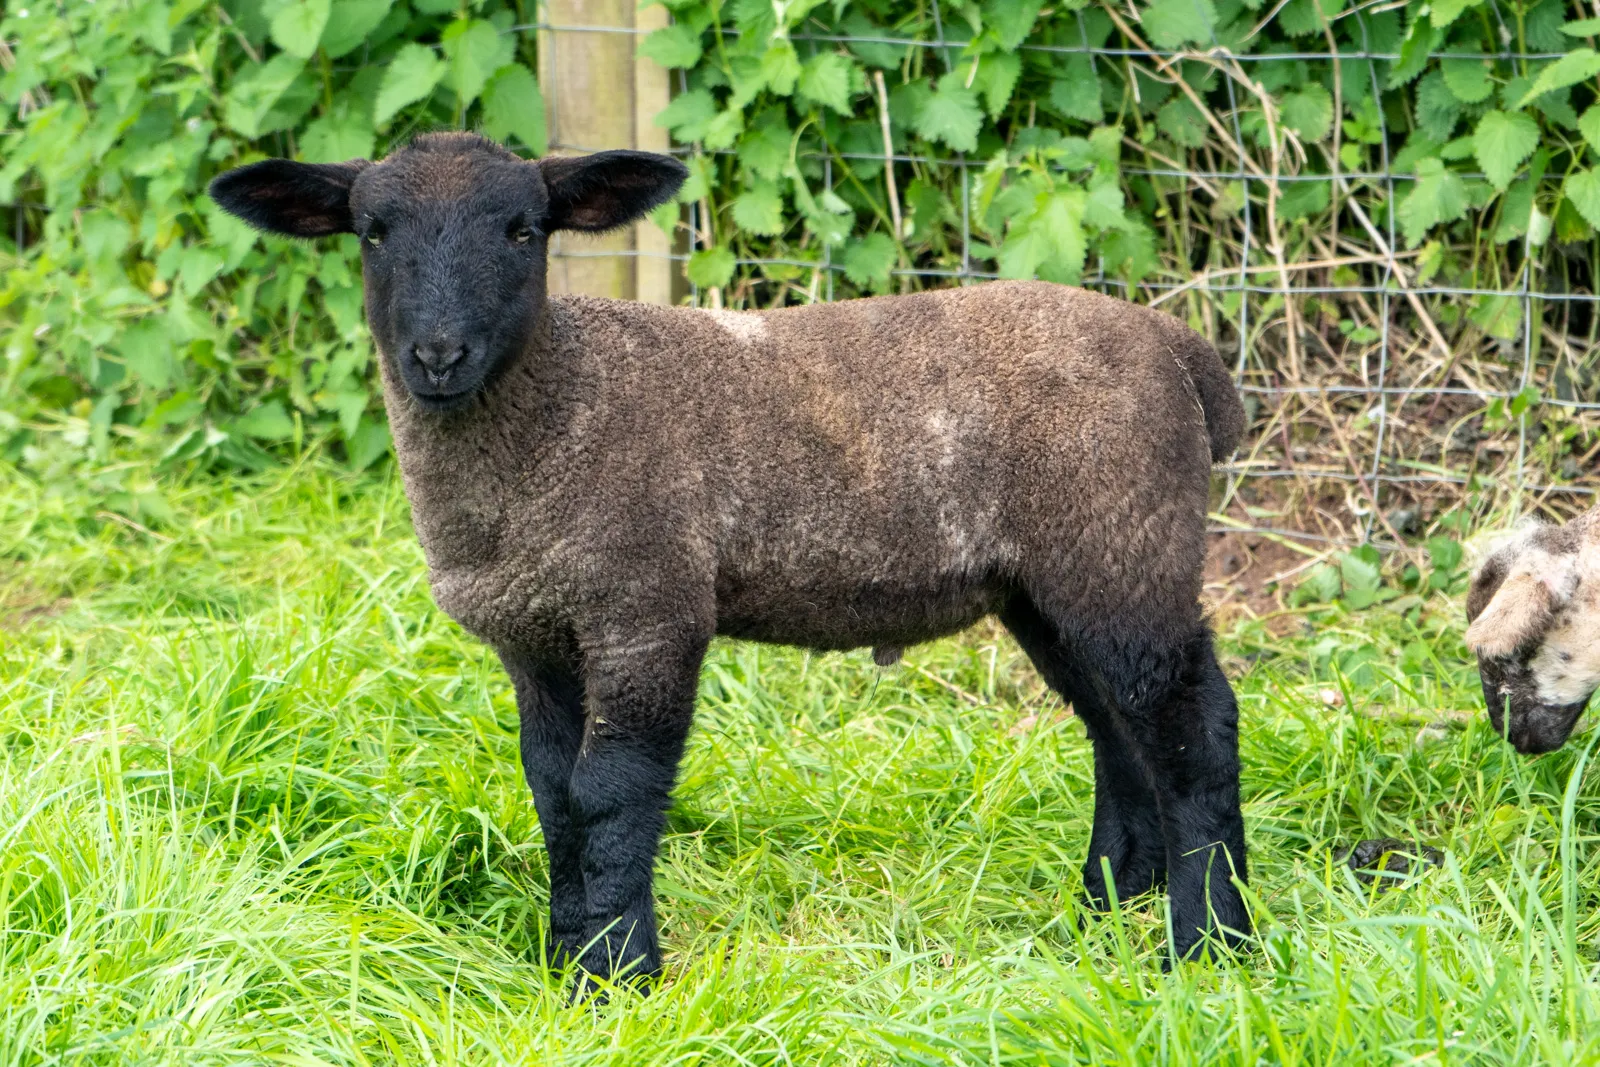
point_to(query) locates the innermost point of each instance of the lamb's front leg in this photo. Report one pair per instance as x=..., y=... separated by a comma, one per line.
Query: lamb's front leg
x=641, y=690
x=550, y=705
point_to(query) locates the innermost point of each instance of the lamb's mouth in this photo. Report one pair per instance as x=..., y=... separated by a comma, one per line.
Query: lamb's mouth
x=444, y=402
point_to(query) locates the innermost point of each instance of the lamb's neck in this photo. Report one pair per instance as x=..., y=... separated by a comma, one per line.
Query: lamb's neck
x=458, y=467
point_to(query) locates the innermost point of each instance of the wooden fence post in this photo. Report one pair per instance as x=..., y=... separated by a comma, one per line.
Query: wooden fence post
x=599, y=96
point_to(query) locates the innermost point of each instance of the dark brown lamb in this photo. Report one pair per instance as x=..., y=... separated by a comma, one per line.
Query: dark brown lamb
x=601, y=487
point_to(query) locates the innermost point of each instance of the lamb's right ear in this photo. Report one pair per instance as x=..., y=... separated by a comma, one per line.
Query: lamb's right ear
x=1517, y=615
x=294, y=199
x=607, y=189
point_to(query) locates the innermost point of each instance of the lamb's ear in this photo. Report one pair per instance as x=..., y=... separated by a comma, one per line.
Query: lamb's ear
x=294, y=199
x=1516, y=616
x=607, y=189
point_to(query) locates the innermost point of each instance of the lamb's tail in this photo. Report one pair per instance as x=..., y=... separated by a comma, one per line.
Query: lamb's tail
x=1219, y=400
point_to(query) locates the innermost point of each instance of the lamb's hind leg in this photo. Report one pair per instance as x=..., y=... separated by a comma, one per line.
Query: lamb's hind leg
x=550, y=705
x=1169, y=695
x=1127, y=832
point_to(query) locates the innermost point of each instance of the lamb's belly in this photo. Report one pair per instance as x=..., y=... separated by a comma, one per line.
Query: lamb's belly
x=871, y=613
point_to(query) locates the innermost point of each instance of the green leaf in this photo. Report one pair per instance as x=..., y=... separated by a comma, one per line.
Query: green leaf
x=1467, y=79
x=513, y=106
x=1439, y=195
x=1580, y=64
x=857, y=25
x=412, y=75
x=1582, y=190
x=266, y=421
x=1060, y=220
x=1581, y=28
x=105, y=236
x=1174, y=23
x=345, y=132
x=1309, y=112
x=1421, y=39
x=1130, y=252
x=1444, y=12
x=152, y=24
x=1180, y=120
x=1589, y=126
x=1321, y=585
x=950, y=115
x=764, y=150
x=1011, y=20
x=1359, y=571
x=298, y=27
x=759, y=210
x=1499, y=315
x=1516, y=211
x=349, y=23
x=723, y=129
x=867, y=262
x=146, y=350
x=688, y=115
x=1302, y=18
x=1076, y=94
x=997, y=78
x=368, y=444
x=474, y=50
x=825, y=79
x=1300, y=199
x=673, y=46
x=1437, y=109
x=780, y=67
x=711, y=267
x=1445, y=552
x=1502, y=141
x=251, y=97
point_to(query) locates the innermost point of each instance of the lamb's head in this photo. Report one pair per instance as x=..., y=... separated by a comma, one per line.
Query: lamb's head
x=1534, y=609
x=454, y=233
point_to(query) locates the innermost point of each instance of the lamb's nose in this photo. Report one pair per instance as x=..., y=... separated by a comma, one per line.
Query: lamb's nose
x=437, y=357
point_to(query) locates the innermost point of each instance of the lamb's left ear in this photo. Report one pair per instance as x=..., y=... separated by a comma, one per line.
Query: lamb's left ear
x=294, y=199
x=607, y=189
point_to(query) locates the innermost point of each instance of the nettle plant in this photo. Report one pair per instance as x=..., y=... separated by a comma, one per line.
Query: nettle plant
x=128, y=302
x=793, y=105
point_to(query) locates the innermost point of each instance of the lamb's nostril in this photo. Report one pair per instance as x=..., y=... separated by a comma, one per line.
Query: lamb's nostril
x=438, y=359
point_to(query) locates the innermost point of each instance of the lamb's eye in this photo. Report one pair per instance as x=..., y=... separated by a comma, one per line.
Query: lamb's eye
x=522, y=233
x=375, y=234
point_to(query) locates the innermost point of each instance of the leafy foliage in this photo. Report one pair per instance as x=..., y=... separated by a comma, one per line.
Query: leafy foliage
x=1058, y=144
x=134, y=309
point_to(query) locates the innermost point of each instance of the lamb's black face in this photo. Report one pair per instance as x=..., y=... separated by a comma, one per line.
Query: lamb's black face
x=454, y=237
x=1532, y=725
x=454, y=281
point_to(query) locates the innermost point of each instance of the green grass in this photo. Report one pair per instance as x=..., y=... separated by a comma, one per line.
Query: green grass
x=260, y=803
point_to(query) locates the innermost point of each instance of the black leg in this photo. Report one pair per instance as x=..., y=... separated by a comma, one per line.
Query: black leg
x=641, y=702
x=1127, y=827
x=1127, y=824
x=1178, y=708
x=550, y=704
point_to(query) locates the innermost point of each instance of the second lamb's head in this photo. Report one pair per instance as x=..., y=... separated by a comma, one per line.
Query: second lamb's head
x=1534, y=612
x=454, y=239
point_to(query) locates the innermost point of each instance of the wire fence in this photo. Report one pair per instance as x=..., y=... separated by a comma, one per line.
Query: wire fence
x=1376, y=406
